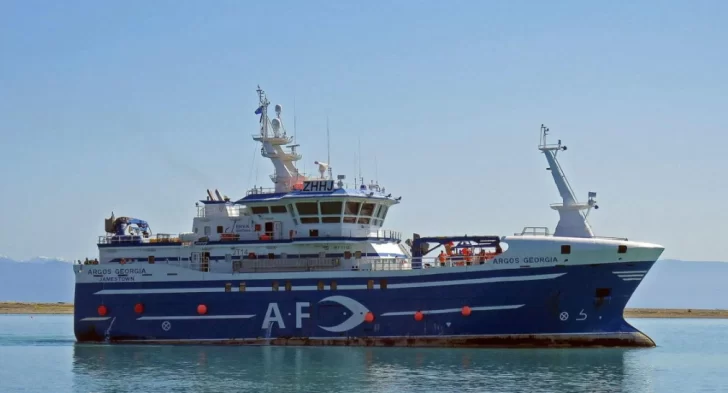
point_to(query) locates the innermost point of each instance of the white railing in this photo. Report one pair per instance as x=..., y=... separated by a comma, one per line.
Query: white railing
x=260, y=191
x=611, y=238
x=318, y=264
x=138, y=239
x=251, y=236
x=285, y=265
x=386, y=234
x=535, y=231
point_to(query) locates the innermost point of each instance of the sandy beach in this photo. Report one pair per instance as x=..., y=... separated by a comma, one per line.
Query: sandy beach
x=67, y=308
x=673, y=313
x=35, y=308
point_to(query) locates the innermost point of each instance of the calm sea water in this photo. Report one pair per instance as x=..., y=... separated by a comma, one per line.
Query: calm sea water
x=39, y=354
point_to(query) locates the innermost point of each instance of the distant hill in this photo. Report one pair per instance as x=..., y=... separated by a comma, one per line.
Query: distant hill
x=36, y=280
x=670, y=284
x=683, y=284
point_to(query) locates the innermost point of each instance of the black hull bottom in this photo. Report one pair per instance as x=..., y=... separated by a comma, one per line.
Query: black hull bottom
x=605, y=340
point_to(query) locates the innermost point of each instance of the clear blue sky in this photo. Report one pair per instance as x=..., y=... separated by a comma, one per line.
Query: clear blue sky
x=138, y=107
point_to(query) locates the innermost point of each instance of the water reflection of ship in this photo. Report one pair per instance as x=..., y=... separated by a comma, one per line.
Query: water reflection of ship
x=264, y=368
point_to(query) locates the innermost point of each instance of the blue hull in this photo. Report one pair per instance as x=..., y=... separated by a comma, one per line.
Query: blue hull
x=554, y=306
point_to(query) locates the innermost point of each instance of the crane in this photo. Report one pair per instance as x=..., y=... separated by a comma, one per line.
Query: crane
x=119, y=226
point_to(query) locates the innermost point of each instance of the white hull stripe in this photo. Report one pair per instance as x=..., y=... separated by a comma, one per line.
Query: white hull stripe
x=90, y=319
x=632, y=279
x=339, y=287
x=452, y=310
x=631, y=272
x=183, y=317
x=476, y=281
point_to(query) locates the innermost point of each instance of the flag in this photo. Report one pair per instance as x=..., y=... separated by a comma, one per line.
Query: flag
x=259, y=110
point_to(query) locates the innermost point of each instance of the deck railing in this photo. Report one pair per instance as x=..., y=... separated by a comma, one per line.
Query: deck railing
x=386, y=234
x=137, y=239
x=316, y=264
x=381, y=234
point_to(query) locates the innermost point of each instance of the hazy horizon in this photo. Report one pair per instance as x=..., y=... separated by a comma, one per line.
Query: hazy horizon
x=138, y=108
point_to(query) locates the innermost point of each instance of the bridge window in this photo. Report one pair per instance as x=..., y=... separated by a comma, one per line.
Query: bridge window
x=364, y=220
x=309, y=220
x=278, y=209
x=352, y=208
x=259, y=209
x=329, y=219
x=349, y=220
x=367, y=209
x=379, y=209
x=383, y=212
x=307, y=208
x=333, y=208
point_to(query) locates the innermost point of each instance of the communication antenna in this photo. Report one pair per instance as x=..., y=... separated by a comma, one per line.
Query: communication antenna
x=294, y=128
x=294, y=119
x=328, y=148
x=358, y=154
x=376, y=169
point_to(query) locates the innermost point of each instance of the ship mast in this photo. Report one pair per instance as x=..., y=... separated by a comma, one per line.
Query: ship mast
x=274, y=139
x=572, y=222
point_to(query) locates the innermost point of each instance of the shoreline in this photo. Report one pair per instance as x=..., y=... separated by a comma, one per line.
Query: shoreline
x=674, y=313
x=35, y=308
x=67, y=308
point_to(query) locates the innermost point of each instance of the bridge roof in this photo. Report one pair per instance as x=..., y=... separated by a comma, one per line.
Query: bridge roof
x=338, y=193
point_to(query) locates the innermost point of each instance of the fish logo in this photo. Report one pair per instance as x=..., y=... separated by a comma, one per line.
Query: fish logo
x=357, y=310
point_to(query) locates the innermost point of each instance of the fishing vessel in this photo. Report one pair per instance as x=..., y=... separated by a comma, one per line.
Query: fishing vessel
x=309, y=262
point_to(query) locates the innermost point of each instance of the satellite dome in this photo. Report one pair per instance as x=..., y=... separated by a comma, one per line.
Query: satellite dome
x=276, y=124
